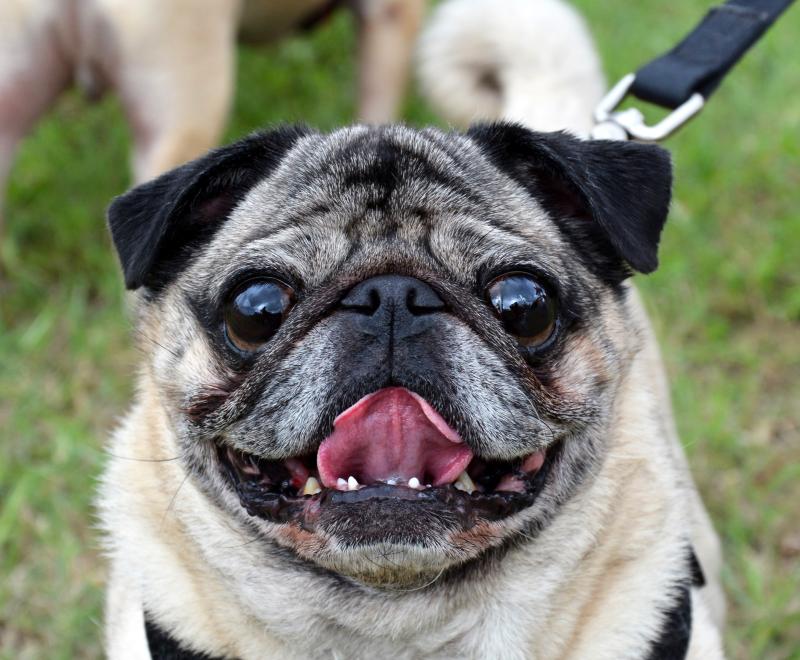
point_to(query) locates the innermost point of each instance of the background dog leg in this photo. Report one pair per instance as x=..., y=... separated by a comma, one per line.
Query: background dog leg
x=175, y=77
x=387, y=36
x=33, y=72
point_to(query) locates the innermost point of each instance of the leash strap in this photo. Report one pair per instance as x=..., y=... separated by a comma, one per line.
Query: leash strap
x=683, y=78
x=676, y=632
x=699, y=62
x=163, y=646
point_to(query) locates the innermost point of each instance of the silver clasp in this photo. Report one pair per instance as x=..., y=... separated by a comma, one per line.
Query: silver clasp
x=629, y=124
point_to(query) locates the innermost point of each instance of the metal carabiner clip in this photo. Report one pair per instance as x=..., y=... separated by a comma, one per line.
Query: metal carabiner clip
x=630, y=125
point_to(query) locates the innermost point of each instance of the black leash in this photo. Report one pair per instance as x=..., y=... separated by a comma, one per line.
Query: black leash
x=682, y=79
x=163, y=646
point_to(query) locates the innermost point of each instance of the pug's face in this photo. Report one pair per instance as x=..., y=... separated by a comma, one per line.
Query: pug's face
x=389, y=350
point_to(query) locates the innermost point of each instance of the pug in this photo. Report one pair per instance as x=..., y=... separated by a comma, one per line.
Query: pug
x=398, y=398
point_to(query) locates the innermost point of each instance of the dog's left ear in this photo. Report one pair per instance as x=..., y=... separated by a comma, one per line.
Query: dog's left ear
x=158, y=226
x=610, y=197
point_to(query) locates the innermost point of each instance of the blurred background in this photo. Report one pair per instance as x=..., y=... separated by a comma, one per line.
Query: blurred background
x=725, y=303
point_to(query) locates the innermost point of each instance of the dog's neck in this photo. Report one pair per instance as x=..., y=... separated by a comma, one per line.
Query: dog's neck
x=671, y=644
x=569, y=607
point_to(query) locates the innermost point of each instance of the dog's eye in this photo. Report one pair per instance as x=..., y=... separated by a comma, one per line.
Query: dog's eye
x=526, y=309
x=255, y=311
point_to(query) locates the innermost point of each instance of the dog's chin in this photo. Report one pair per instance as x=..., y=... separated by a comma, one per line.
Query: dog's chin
x=395, y=537
x=389, y=566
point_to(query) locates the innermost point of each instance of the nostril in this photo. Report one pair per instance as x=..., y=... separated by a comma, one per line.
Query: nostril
x=424, y=301
x=362, y=300
x=374, y=301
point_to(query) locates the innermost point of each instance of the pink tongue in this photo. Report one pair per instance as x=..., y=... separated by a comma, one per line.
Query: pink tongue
x=392, y=434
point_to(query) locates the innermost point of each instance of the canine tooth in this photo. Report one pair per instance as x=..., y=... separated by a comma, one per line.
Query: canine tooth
x=413, y=482
x=465, y=483
x=312, y=487
x=352, y=484
x=341, y=484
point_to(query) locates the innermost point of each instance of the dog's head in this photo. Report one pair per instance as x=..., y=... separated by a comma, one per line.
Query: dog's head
x=391, y=350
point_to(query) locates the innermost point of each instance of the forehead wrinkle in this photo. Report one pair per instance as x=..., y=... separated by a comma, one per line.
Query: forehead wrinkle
x=409, y=207
x=269, y=262
x=455, y=150
x=307, y=253
x=352, y=208
x=406, y=191
x=463, y=240
x=388, y=255
x=305, y=163
x=435, y=195
x=421, y=160
x=478, y=249
x=288, y=221
x=347, y=146
x=298, y=178
x=522, y=217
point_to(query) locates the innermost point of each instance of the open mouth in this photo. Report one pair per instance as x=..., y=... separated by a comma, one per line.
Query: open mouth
x=390, y=446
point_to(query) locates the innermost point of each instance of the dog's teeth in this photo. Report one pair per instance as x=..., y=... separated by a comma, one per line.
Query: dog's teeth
x=391, y=482
x=312, y=487
x=352, y=484
x=465, y=483
x=341, y=484
x=413, y=482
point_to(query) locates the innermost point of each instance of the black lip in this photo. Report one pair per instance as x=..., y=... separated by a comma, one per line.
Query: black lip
x=464, y=508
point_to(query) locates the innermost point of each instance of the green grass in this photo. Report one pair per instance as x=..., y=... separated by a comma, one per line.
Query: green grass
x=726, y=305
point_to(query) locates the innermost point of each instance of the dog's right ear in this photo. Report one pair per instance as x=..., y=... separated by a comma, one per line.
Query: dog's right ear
x=609, y=197
x=158, y=226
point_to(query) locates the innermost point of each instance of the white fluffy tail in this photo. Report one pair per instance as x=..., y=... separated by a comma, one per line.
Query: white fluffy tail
x=531, y=61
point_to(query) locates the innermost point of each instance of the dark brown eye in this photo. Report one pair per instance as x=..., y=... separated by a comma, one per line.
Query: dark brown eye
x=524, y=306
x=255, y=311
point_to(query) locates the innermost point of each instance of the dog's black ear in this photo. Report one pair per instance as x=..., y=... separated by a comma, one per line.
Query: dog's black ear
x=609, y=197
x=158, y=226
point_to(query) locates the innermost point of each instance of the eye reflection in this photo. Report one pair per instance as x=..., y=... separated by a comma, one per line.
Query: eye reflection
x=524, y=307
x=255, y=311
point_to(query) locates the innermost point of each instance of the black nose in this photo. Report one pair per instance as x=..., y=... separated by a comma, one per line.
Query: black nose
x=393, y=301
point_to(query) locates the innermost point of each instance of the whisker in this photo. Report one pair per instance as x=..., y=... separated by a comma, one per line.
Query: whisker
x=424, y=586
x=239, y=545
x=154, y=341
x=140, y=460
x=539, y=418
x=174, y=497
